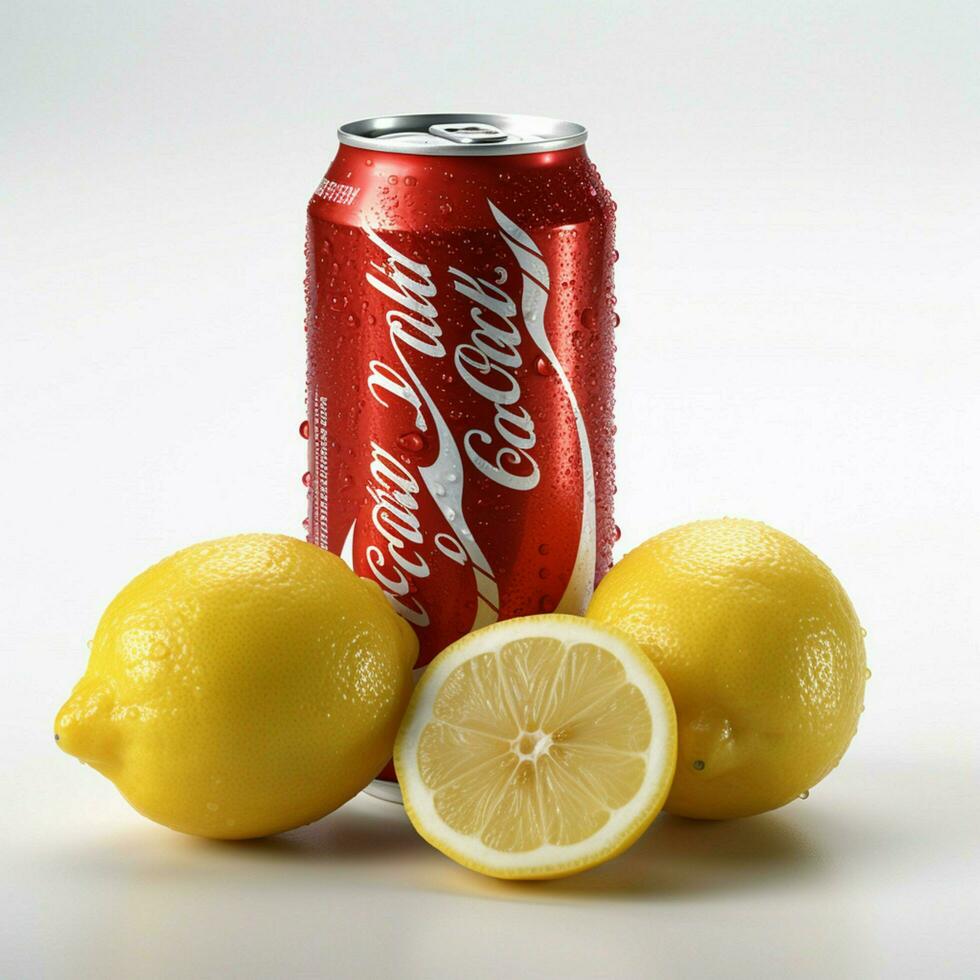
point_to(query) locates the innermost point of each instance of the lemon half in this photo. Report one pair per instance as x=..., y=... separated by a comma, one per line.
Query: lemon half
x=537, y=747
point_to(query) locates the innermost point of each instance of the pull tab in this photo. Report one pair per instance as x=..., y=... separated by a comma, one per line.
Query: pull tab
x=468, y=132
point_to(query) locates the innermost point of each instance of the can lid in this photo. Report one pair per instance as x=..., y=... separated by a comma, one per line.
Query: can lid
x=462, y=134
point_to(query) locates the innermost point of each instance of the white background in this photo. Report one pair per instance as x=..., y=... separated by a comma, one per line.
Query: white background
x=798, y=223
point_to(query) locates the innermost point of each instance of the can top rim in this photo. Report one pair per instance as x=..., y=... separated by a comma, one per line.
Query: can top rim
x=462, y=134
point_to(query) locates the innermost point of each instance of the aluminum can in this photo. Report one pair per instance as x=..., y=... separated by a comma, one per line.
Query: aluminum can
x=460, y=336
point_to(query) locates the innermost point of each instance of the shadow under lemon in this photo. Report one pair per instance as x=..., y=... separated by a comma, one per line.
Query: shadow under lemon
x=676, y=857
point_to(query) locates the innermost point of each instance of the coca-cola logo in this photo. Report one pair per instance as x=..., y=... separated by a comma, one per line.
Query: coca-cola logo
x=487, y=362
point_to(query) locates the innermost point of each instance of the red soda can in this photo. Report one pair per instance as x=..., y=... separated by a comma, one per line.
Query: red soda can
x=460, y=315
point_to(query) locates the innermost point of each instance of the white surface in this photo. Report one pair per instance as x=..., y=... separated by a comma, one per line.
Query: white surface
x=798, y=190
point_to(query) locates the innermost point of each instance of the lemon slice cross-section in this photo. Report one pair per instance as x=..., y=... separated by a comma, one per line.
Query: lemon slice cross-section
x=537, y=747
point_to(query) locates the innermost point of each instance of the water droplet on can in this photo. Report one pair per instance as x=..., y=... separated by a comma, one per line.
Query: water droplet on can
x=617, y=533
x=587, y=316
x=307, y=478
x=413, y=442
x=867, y=673
x=543, y=549
x=543, y=366
x=304, y=429
x=805, y=795
x=546, y=604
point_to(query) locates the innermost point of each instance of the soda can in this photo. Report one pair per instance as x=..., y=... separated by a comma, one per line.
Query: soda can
x=460, y=318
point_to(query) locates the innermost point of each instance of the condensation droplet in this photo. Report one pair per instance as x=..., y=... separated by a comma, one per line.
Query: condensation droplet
x=805, y=795
x=617, y=532
x=587, y=316
x=546, y=604
x=543, y=366
x=543, y=549
x=698, y=764
x=413, y=442
x=304, y=429
x=307, y=478
x=867, y=673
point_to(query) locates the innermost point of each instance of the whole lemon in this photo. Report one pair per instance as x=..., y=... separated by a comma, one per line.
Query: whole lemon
x=242, y=687
x=761, y=650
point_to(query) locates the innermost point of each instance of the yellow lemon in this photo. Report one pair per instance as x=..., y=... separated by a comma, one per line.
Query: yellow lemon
x=763, y=654
x=537, y=747
x=242, y=687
